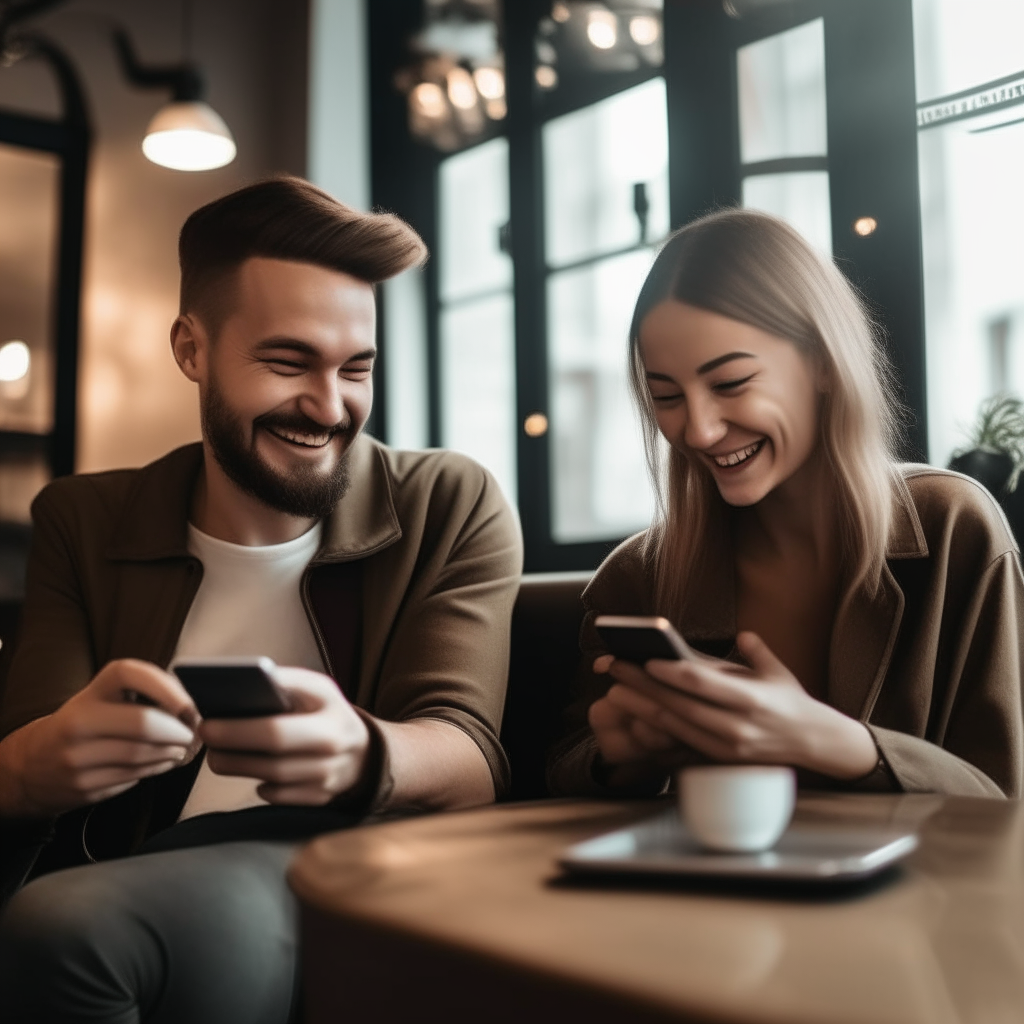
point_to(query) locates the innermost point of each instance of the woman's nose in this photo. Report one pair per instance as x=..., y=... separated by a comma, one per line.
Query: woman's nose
x=705, y=425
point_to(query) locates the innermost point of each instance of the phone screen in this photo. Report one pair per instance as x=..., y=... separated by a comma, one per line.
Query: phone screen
x=236, y=688
x=641, y=638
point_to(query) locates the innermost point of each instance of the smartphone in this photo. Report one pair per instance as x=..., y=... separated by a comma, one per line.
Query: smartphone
x=232, y=687
x=639, y=638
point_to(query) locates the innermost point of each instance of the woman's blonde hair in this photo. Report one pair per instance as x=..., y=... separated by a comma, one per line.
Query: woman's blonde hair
x=754, y=268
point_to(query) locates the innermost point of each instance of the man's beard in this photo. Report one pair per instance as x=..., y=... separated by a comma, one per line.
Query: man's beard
x=306, y=492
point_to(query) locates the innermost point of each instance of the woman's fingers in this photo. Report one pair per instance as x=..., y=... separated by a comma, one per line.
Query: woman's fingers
x=708, y=682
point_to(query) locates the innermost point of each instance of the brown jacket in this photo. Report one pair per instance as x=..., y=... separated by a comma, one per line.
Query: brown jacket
x=438, y=551
x=932, y=663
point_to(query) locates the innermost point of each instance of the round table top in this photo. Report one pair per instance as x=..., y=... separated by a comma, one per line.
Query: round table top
x=940, y=940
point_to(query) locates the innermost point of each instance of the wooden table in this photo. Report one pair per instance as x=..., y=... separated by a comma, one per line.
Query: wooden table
x=461, y=918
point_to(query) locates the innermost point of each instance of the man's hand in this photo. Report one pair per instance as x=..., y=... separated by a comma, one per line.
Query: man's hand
x=308, y=756
x=759, y=715
x=97, y=744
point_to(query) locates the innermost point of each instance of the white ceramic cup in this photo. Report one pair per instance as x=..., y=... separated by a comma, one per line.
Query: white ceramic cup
x=737, y=808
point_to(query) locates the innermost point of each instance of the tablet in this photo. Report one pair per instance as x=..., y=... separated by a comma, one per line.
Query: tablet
x=807, y=852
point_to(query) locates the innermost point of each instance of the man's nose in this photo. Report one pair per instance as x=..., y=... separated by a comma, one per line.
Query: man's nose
x=323, y=400
x=705, y=425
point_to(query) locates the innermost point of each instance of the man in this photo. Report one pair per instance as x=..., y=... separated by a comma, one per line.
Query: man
x=382, y=580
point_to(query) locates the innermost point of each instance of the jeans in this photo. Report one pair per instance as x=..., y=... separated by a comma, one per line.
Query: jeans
x=184, y=936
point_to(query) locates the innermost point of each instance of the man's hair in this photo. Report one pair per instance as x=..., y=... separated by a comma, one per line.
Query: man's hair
x=286, y=218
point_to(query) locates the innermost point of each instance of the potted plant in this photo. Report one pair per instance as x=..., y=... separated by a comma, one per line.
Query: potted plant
x=995, y=455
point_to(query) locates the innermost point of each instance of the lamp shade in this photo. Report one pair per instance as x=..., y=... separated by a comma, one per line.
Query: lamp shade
x=189, y=137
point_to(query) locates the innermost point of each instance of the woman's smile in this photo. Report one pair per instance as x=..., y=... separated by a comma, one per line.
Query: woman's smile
x=739, y=458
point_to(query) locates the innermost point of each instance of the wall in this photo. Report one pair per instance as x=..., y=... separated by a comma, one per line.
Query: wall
x=134, y=404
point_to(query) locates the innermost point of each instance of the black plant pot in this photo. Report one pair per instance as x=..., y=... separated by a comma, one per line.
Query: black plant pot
x=993, y=469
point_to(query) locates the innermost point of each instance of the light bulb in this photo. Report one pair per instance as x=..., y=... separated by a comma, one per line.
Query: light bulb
x=461, y=90
x=865, y=226
x=189, y=137
x=497, y=109
x=15, y=360
x=490, y=83
x=645, y=29
x=560, y=12
x=429, y=100
x=602, y=29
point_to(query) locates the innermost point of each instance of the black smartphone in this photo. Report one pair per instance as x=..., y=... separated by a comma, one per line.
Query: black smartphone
x=639, y=638
x=232, y=687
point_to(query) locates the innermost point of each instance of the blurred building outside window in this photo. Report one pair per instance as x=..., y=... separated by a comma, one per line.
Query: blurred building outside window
x=477, y=327
x=606, y=211
x=784, y=129
x=969, y=62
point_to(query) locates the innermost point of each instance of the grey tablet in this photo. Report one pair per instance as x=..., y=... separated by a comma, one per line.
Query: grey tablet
x=808, y=851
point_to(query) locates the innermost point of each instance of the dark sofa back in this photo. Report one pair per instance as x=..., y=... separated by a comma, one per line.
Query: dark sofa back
x=545, y=652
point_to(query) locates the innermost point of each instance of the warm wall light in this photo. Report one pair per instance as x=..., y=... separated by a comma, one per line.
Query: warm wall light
x=547, y=76
x=602, y=29
x=428, y=98
x=490, y=83
x=15, y=360
x=186, y=134
x=189, y=137
x=461, y=90
x=865, y=226
x=535, y=425
x=644, y=29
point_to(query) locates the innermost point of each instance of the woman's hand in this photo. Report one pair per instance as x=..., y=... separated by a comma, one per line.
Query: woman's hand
x=730, y=713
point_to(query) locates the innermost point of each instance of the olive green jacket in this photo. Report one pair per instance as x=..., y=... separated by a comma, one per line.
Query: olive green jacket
x=439, y=553
x=932, y=663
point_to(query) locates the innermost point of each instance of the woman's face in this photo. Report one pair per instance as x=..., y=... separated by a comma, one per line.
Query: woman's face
x=741, y=400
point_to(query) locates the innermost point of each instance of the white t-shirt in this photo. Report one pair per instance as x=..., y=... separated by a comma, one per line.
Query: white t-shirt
x=248, y=605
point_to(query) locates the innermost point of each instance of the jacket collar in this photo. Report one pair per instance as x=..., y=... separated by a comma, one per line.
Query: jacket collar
x=154, y=522
x=865, y=631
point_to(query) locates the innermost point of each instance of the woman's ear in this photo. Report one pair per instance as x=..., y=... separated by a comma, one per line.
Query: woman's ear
x=189, y=345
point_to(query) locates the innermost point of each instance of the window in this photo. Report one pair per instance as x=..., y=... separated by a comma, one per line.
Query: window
x=476, y=316
x=606, y=205
x=783, y=129
x=970, y=89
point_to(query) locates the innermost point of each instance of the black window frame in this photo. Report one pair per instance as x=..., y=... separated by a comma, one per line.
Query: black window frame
x=872, y=163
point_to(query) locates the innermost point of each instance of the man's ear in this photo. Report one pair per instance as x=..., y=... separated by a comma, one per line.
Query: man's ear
x=189, y=344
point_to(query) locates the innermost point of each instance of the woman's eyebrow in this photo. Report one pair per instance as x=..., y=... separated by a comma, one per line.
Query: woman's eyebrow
x=660, y=376
x=712, y=364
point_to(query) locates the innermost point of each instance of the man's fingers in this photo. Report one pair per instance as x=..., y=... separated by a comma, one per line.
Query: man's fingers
x=105, y=753
x=281, y=770
x=164, y=689
x=306, y=796
x=133, y=722
x=275, y=734
x=103, y=778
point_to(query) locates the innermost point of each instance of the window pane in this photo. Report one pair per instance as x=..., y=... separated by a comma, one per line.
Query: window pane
x=599, y=479
x=478, y=372
x=782, y=95
x=28, y=215
x=405, y=360
x=961, y=43
x=593, y=158
x=972, y=216
x=474, y=208
x=800, y=198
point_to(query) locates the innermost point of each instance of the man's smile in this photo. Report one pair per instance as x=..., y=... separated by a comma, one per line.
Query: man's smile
x=302, y=438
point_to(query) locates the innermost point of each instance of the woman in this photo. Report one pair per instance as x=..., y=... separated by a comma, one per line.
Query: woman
x=861, y=617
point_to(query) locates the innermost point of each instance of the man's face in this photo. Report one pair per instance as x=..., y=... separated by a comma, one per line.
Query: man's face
x=287, y=384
